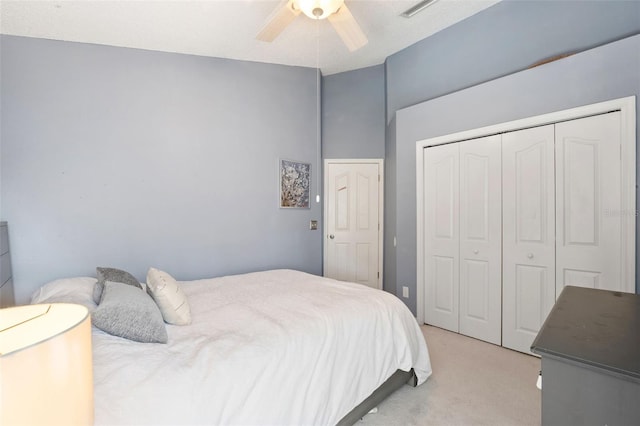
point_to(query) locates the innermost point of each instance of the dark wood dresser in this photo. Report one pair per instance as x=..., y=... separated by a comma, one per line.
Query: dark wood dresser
x=590, y=349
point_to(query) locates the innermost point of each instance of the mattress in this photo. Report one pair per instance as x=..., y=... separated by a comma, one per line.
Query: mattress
x=279, y=347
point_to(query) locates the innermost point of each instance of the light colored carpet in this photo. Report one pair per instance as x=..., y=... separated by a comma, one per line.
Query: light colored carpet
x=473, y=383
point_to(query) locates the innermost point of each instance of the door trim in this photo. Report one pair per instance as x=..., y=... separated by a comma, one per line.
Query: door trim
x=627, y=108
x=380, y=163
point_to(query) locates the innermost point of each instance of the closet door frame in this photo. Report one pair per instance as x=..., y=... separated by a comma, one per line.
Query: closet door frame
x=627, y=108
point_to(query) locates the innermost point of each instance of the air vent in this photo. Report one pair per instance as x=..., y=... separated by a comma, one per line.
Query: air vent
x=419, y=7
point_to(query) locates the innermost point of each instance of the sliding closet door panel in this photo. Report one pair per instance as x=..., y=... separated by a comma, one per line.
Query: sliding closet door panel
x=441, y=228
x=528, y=234
x=588, y=200
x=481, y=238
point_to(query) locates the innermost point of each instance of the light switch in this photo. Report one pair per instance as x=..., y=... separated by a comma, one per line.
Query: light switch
x=313, y=225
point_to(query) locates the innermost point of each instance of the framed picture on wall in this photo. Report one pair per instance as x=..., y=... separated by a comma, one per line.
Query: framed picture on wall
x=295, y=182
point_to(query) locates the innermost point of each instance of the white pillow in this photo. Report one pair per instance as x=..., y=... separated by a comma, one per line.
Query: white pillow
x=169, y=297
x=67, y=290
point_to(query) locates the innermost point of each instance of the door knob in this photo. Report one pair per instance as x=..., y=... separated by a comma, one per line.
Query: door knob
x=475, y=251
x=332, y=236
x=530, y=255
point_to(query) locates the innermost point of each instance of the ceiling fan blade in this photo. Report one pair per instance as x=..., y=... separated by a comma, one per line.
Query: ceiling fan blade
x=282, y=16
x=348, y=29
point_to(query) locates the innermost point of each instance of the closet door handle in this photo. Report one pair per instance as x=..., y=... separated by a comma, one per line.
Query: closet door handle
x=332, y=236
x=476, y=251
x=530, y=255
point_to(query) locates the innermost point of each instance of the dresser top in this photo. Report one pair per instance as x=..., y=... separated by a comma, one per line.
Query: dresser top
x=596, y=327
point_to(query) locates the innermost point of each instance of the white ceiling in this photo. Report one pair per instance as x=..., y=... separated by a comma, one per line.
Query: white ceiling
x=227, y=28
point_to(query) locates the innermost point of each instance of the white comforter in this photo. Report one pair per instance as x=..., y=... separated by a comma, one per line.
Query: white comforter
x=269, y=348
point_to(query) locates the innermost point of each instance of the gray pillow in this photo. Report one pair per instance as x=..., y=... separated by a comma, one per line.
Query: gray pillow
x=115, y=275
x=129, y=312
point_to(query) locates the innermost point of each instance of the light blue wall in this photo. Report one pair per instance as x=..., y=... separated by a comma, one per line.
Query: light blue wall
x=353, y=114
x=486, y=47
x=142, y=151
x=608, y=72
x=503, y=39
x=390, y=201
x=130, y=158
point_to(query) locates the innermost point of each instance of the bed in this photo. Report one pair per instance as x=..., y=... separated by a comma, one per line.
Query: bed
x=279, y=347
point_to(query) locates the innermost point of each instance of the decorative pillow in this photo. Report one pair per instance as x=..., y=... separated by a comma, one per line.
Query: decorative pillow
x=127, y=311
x=115, y=275
x=169, y=296
x=67, y=290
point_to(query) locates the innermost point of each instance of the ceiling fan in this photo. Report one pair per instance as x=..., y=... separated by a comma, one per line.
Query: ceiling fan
x=334, y=10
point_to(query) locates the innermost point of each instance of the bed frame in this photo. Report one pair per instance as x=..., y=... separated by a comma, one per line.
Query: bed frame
x=392, y=384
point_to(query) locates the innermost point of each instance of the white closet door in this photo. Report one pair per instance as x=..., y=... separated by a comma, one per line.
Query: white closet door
x=588, y=215
x=528, y=234
x=481, y=239
x=441, y=229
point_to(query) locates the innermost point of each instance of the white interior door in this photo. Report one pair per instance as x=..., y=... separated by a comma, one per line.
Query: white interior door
x=481, y=239
x=588, y=200
x=441, y=235
x=353, y=212
x=528, y=234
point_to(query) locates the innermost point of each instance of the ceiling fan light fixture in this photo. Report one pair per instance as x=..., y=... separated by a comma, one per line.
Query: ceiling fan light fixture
x=319, y=9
